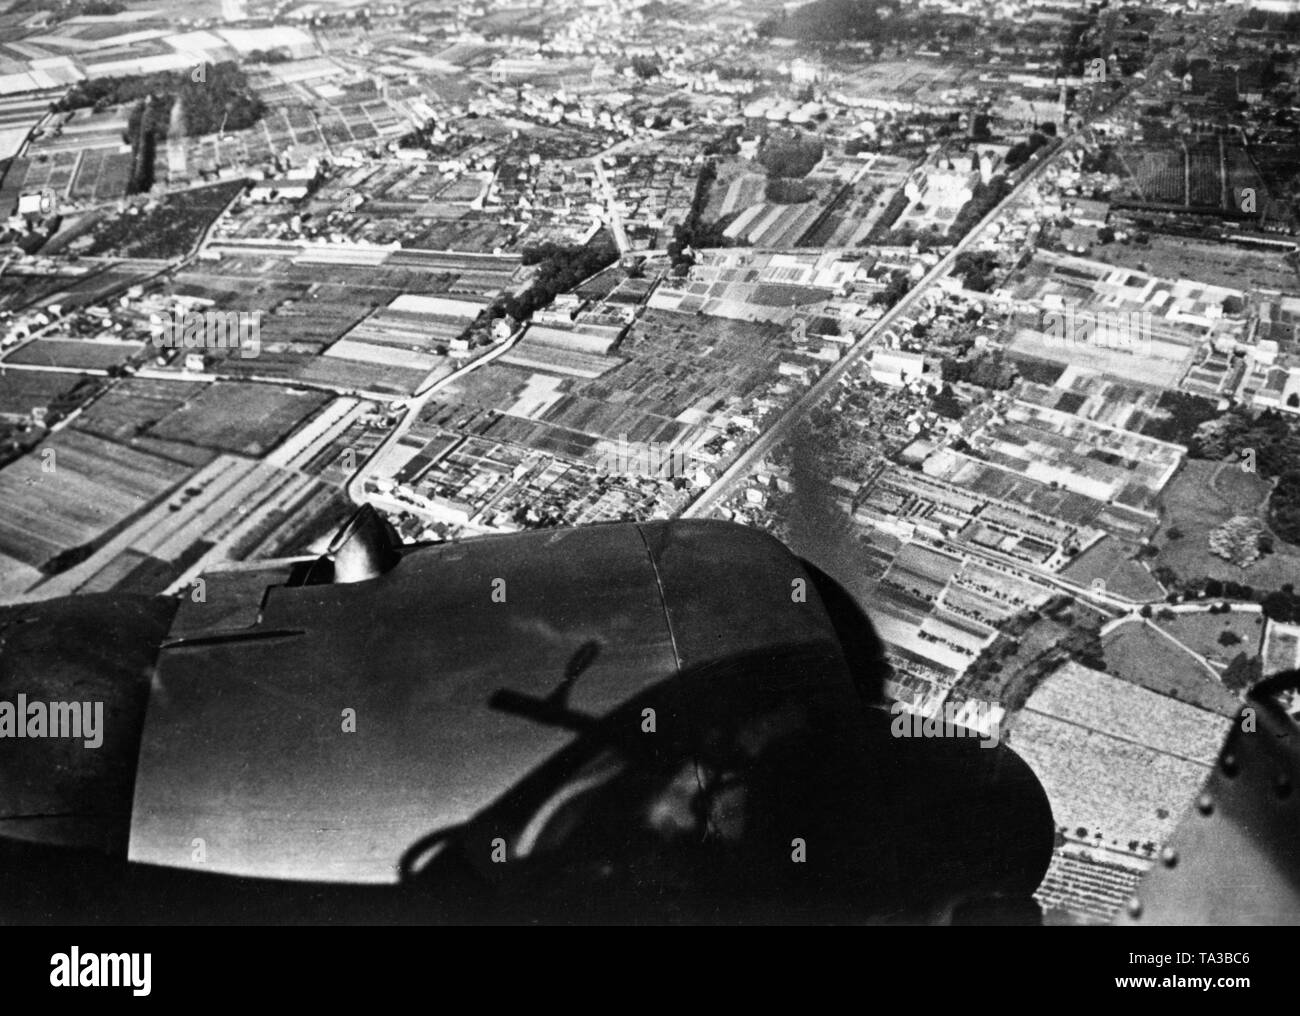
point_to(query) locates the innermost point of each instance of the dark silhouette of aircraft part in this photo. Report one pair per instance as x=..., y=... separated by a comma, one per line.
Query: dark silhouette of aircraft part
x=1235, y=856
x=648, y=728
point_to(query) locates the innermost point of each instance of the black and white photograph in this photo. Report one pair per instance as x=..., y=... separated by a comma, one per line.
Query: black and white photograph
x=569, y=463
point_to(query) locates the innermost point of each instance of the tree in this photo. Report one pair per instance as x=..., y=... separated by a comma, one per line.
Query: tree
x=1281, y=606
x=1284, y=507
x=946, y=403
x=644, y=67
x=784, y=191
x=1242, y=672
x=790, y=154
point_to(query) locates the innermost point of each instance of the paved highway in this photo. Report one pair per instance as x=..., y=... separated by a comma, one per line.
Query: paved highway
x=727, y=483
x=778, y=432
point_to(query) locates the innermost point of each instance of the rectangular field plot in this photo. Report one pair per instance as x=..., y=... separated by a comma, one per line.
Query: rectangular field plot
x=89, y=486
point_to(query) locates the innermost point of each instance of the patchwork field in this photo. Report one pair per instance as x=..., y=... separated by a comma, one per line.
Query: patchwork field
x=72, y=490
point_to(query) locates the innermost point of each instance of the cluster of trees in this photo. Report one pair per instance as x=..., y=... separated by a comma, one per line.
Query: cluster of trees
x=1231, y=590
x=694, y=231
x=895, y=289
x=168, y=230
x=144, y=146
x=1183, y=414
x=1282, y=605
x=1102, y=159
x=946, y=403
x=1077, y=46
x=220, y=98
x=726, y=144
x=926, y=239
x=560, y=268
x=1019, y=153
x=887, y=218
x=977, y=269
x=983, y=198
x=790, y=154
x=1284, y=507
x=1242, y=671
x=785, y=191
x=1273, y=439
x=645, y=67
x=988, y=370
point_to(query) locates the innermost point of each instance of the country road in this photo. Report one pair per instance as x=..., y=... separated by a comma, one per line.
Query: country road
x=414, y=406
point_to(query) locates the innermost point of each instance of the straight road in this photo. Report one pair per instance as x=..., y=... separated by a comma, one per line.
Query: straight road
x=779, y=431
x=727, y=483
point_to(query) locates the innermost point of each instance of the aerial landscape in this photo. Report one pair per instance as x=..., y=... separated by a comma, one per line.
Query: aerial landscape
x=990, y=309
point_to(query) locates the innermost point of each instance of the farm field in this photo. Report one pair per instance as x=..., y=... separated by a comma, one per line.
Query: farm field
x=1119, y=764
x=102, y=175
x=1202, y=496
x=247, y=419
x=1111, y=561
x=75, y=353
x=1180, y=257
x=1201, y=632
x=21, y=391
x=90, y=486
x=1157, y=174
x=1143, y=656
